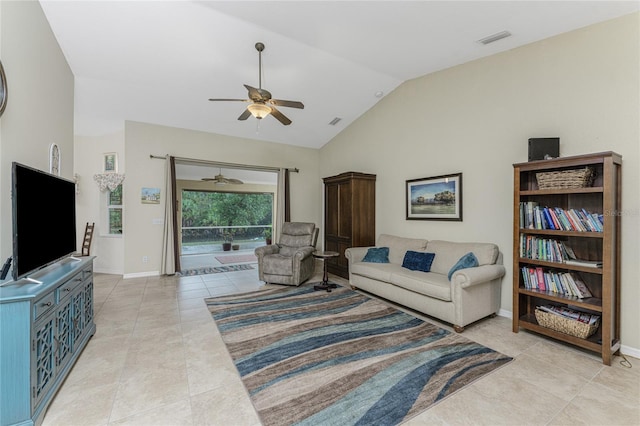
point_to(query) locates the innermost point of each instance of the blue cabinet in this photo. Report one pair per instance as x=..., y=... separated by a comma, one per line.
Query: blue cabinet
x=43, y=329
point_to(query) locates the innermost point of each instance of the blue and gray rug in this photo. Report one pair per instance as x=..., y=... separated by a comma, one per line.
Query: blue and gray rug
x=316, y=358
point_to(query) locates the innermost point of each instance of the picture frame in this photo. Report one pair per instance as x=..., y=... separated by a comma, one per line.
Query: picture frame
x=434, y=198
x=110, y=162
x=150, y=195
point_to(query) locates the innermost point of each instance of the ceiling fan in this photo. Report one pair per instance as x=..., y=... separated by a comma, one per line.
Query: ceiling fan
x=219, y=179
x=260, y=100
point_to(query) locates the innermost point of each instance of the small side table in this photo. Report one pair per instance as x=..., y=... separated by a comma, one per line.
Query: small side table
x=325, y=255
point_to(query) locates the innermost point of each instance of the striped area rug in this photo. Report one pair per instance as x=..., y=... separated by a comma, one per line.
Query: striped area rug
x=316, y=358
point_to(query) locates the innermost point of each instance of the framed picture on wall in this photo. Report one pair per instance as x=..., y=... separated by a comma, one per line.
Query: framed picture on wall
x=110, y=162
x=435, y=198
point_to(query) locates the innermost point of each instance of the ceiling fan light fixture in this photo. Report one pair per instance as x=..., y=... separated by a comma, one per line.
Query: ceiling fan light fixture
x=259, y=111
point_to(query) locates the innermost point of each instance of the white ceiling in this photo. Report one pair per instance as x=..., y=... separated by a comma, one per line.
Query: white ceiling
x=159, y=61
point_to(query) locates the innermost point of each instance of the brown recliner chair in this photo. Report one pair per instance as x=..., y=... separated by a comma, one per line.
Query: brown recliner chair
x=290, y=261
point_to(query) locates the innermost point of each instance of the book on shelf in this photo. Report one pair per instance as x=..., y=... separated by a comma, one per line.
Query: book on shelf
x=588, y=263
x=581, y=288
x=534, y=247
x=563, y=283
x=533, y=216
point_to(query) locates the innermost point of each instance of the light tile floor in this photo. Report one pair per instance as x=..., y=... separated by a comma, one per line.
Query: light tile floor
x=158, y=359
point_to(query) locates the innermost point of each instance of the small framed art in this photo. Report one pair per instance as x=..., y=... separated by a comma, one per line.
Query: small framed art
x=110, y=162
x=435, y=198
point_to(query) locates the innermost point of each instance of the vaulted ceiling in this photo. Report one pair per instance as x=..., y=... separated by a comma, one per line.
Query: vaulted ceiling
x=160, y=61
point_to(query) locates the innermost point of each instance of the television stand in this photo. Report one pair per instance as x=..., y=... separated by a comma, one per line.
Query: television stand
x=43, y=330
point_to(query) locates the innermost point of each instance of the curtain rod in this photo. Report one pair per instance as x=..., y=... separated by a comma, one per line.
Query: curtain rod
x=225, y=165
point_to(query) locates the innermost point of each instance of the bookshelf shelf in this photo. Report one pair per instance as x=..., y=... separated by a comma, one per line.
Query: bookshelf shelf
x=591, y=303
x=558, y=265
x=529, y=322
x=599, y=202
x=587, y=190
x=556, y=233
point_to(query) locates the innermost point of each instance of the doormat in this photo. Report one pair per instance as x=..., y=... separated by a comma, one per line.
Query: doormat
x=237, y=258
x=214, y=270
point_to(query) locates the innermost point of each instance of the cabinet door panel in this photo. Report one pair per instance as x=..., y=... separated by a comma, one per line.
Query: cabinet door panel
x=63, y=336
x=345, y=210
x=331, y=210
x=77, y=315
x=43, y=356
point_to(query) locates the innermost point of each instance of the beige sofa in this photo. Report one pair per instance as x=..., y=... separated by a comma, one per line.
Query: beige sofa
x=472, y=293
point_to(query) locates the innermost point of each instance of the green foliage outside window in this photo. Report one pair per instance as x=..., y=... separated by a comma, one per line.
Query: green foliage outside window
x=233, y=210
x=114, y=206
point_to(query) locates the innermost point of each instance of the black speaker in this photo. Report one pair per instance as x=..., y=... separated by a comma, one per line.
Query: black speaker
x=544, y=148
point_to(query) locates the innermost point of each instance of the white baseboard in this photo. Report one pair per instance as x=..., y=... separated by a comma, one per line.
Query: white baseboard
x=627, y=350
x=505, y=313
x=141, y=274
x=107, y=271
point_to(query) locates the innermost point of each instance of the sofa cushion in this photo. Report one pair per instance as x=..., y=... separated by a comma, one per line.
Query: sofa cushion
x=448, y=253
x=375, y=271
x=469, y=260
x=427, y=283
x=398, y=246
x=418, y=261
x=377, y=255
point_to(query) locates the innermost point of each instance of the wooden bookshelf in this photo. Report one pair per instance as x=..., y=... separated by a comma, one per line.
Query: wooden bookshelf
x=602, y=198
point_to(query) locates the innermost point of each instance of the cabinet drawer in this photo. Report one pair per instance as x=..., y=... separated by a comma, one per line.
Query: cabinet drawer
x=88, y=272
x=43, y=305
x=65, y=289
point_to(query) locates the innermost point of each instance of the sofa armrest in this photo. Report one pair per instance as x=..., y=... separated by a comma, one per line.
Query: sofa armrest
x=478, y=275
x=355, y=254
x=304, y=252
x=265, y=250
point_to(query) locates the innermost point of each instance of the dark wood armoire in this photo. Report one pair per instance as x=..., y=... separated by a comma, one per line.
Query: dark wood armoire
x=349, y=216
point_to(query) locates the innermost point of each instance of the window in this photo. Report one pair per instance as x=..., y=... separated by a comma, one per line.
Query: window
x=114, y=211
x=210, y=218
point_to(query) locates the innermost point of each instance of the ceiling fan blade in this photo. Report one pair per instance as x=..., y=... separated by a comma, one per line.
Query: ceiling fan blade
x=246, y=114
x=290, y=104
x=231, y=100
x=254, y=94
x=280, y=116
x=235, y=181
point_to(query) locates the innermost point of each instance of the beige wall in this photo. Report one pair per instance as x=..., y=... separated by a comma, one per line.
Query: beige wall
x=143, y=237
x=582, y=86
x=91, y=203
x=40, y=102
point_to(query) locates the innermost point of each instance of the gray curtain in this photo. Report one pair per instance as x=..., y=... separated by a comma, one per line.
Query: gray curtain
x=170, y=259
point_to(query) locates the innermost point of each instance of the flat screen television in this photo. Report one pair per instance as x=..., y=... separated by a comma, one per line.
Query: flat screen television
x=44, y=219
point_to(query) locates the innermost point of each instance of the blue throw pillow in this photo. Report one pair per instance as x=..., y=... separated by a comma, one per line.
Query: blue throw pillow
x=377, y=255
x=469, y=260
x=418, y=261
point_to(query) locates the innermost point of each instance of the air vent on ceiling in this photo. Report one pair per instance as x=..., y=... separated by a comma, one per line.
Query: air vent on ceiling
x=335, y=121
x=494, y=37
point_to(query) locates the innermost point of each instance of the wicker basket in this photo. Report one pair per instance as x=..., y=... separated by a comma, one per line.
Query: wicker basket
x=579, y=178
x=566, y=325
